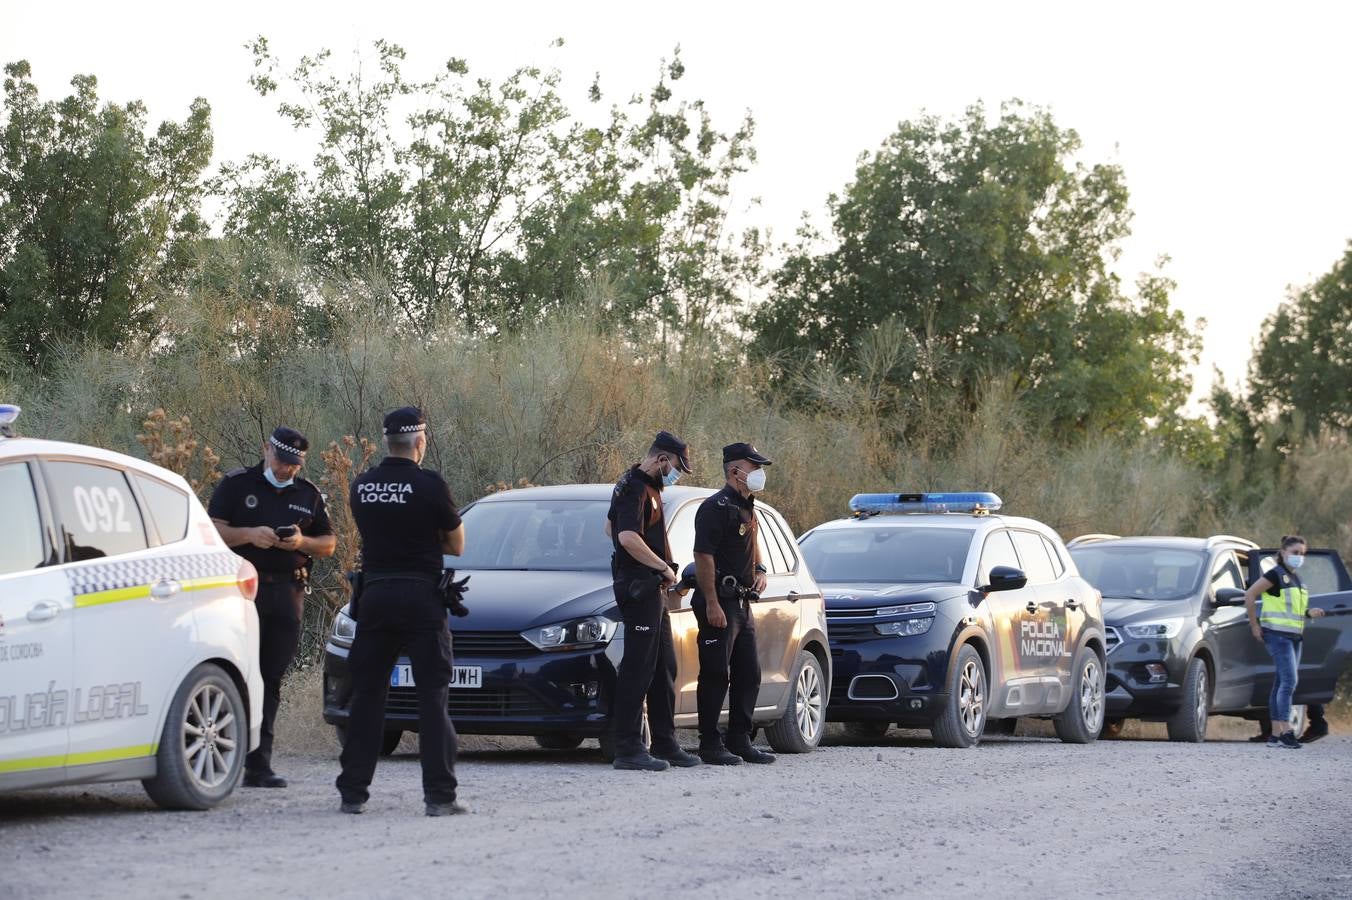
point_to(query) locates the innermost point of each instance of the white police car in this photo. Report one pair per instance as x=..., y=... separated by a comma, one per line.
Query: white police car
x=943, y=615
x=128, y=636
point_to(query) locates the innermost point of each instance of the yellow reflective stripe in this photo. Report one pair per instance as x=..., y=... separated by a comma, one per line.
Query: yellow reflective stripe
x=140, y=591
x=78, y=759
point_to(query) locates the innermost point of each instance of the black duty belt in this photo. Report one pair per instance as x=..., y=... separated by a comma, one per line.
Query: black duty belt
x=410, y=575
x=298, y=576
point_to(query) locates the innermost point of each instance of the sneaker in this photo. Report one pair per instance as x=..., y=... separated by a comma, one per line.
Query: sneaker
x=1288, y=740
x=1314, y=733
x=263, y=780
x=1272, y=741
x=1262, y=738
x=679, y=758
x=752, y=755
x=641, y=762
x=719, y=756
x=352, y=809
x=454, y=808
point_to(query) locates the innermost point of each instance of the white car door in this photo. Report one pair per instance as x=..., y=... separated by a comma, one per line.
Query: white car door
x=36, y=627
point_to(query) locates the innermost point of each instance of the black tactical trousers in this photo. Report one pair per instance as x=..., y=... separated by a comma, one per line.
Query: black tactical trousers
x=399, y=615
x=279, y=606
x=728, y=667
x=647, y=671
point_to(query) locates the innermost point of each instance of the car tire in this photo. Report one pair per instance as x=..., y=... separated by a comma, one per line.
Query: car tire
x=558, y=741
x=866, y=731
x=1113, y=728
x=202, y=747
x=390, y=742
x=1082, y=720
x=1188, y=725
x=963, y=717
x=1001, y=727
x=800, y=729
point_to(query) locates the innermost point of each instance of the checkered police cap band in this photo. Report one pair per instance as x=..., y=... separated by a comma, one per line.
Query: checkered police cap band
x=407, y=429
x=287, y=447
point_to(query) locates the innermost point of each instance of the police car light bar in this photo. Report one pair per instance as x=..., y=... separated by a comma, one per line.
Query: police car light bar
x=8, y=414
x=974, y=502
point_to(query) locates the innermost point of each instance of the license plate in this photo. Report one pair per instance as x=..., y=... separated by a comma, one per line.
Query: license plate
x=461, y=677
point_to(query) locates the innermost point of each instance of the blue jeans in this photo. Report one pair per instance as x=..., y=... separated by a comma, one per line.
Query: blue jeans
x=1285, y=650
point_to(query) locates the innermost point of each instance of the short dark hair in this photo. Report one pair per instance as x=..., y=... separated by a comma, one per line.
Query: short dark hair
x=1290, y=540
x=402, y=442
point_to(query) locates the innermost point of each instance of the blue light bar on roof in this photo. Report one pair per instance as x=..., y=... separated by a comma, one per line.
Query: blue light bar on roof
x=951, y=502
x=8, y=414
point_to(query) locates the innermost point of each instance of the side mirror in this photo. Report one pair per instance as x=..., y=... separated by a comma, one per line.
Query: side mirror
x=1005, y=578
x=1229, y=597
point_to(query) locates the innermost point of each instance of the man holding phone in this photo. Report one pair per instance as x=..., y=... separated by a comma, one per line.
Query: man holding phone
x=276, y=520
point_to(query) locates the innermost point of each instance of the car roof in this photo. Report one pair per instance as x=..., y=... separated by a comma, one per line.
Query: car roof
x=1166, y=541
x=670, y=496
x=22, y=447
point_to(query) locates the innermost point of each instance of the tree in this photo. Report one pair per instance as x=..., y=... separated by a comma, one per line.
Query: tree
x=991, y=247
x=1301, y=371
x=95, y=214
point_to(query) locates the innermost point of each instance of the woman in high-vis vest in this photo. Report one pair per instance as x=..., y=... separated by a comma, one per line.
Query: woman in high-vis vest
x=1279, y=622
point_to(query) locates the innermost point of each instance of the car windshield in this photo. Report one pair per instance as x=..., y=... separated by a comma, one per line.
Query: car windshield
x=1145, y=573
x=900, y=555
x=552, y=535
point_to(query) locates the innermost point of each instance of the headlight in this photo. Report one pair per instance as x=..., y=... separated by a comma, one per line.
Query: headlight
x=569, y=635
x=344, y=628
x=909, y=609
x=906, y=627
x=1164, y=628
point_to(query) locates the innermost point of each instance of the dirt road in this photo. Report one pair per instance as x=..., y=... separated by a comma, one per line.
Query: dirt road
x=1016, y=816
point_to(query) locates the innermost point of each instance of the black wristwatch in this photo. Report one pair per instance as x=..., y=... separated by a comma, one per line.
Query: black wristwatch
x=761, y=570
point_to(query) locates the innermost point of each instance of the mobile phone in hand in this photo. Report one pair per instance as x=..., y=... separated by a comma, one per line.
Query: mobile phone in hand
x=287, y=531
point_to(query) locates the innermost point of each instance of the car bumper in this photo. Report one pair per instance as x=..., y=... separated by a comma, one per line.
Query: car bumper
x=1129, y=689
x=565, y=692
x=889, y=680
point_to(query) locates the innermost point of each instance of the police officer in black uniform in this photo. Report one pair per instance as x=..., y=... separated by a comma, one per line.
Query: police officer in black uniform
x=276, y=520
x=645, y=581
x=408, y=521
x=727, y=569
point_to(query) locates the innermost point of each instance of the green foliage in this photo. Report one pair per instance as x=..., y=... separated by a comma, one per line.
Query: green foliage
x=991, y=249
x=97, y=216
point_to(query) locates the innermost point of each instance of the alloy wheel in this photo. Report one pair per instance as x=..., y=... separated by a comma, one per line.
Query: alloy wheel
x=211, y=734
x=1201, y=703
x=808, y=703
x=972, y=697
x=1091, y=695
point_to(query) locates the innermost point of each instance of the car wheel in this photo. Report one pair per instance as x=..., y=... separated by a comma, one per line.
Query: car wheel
x=964, y=715
x=558, y=741
x=800, y=728
x=1113, y=728
x=866, y=731
x=202, y=748
x=1298, y=719
x=1082, y=719
x=1005, y=727
x=390, y=742
x=1189, y=723
x=607, y=740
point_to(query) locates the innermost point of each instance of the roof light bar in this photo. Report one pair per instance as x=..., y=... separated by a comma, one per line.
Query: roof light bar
x=974, y=502
x=8, y=414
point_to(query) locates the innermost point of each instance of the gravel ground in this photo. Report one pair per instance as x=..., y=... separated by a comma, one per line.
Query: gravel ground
x=1022, y=816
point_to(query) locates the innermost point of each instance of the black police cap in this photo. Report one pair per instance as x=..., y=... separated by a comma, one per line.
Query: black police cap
x=670, y=443
x=289, y=445
x=742, y=450
x=405, y=420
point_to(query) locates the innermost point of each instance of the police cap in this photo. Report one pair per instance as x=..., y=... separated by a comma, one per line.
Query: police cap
x=289, y=445
x=405, y=420
x=670, y=443
x=742, y=450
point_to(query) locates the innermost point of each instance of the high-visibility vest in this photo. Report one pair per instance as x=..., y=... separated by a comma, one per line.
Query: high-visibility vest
x=1286, y=611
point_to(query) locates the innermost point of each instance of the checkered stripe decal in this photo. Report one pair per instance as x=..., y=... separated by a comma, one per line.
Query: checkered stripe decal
x=123, y=573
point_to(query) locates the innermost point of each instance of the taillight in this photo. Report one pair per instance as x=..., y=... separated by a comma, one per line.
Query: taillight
x=247, y=579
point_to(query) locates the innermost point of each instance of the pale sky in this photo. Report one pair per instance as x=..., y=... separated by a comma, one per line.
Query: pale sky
x=1231, y=120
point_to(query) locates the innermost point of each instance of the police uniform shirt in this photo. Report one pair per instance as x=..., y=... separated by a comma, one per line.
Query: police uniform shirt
x=725, y=528
x=246, y=499
x=401, y=510
x=636, y=505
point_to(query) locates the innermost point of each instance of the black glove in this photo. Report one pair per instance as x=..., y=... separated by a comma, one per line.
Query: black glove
x=452, y=592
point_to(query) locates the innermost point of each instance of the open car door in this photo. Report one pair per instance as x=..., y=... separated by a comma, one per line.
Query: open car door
x=1326, y=650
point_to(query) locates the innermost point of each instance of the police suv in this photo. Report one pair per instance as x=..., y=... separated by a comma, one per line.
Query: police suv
x=943, y=615
x=128, y=637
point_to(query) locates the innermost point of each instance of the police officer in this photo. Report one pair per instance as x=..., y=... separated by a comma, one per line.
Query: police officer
x=408, y=521
x=727, y=566
x=645, y=580
x=275, y=519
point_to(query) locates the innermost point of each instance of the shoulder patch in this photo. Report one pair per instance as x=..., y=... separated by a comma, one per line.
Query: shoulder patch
x=233, y=472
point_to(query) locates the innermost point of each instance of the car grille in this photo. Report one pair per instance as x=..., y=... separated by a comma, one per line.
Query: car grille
x=851, y=632
x=1112, y=637
x=472, y=703
x=490, y=643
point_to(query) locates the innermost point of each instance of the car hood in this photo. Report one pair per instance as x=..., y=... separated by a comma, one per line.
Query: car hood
x=1117, y=611
x=864, y=595
x=502, y=600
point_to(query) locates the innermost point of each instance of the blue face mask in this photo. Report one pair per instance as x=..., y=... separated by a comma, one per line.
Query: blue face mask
x=672, y=476
x=272, y=479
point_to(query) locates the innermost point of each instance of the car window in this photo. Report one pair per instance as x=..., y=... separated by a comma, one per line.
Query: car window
x=99, y=516
x=167, y=507
x=1033, y=556
x=887, y=554
x=1319, y=574
x=546, y=535
x=771, y=556
x=1226, y=574
x=681, y=535
x=1054, y=553
x=21, y=524
x=1136, y=571
x=998, y=551
x=781, y=534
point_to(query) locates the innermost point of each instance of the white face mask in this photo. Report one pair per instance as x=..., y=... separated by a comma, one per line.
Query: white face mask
x=1295, y=561
x=755, y=480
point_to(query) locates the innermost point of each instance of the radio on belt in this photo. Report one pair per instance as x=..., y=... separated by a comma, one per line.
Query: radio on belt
x=977, y=503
